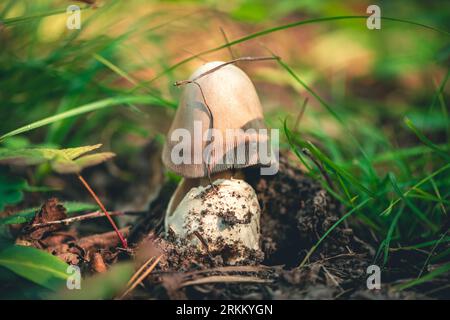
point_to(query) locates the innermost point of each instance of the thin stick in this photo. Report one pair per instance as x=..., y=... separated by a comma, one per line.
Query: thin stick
x=137, y=273
x=224, y=279
x=333, y=279
x=104, y=240
x=92, y=215
x=205, y=245
x=211, y=126
x=334, y=257
x=100, y=204
x=178, y=83
x=231, y=269
x=227, y=42
x=210, y=138
x=202, y=240
x=142, y=277
x=301, y=113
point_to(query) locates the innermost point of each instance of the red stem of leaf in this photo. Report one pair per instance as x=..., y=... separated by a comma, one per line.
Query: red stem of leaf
x=100, y=204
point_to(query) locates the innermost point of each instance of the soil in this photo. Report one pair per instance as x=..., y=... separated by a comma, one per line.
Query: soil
x=295, y=212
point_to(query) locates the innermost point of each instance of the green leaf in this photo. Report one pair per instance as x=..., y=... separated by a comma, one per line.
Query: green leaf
x=70, y=160
x=93, y=159
x=72, y=153
x=28, y=214
x=430, y=276
x=35, y=265
x=22, y=157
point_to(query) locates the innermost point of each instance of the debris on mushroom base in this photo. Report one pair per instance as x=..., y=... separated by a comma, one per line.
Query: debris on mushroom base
x=222, y=221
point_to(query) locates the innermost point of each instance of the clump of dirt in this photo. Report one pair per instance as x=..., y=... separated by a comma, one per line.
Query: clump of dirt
x=296, y=212
x=229, y=217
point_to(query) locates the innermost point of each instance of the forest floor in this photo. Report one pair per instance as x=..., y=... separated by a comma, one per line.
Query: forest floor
x=296, y=212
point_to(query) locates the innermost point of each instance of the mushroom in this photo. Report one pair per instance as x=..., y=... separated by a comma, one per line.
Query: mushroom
x=213, y=208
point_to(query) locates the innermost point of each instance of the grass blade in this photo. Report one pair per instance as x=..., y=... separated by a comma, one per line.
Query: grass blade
x=430, y=276
x=109, y=102
x=425, y=140
x=284, y=27
x=413, y=208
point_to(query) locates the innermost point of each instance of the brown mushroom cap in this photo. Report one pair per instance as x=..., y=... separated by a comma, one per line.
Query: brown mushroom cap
x=234, y=104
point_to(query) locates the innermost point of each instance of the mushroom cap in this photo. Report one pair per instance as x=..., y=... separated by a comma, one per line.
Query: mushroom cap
x=234, y=104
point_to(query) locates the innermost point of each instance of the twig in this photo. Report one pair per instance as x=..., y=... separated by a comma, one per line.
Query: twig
x=300, y=115
x=100, y=204
x=342, y=255
x=211, y=126
x=231, y=269
x=92, y=215
x=205, y=245
x=333, y=279
x=142, y=277
x=138, y=272
x=227, y=42
x=181, y=82
x=103, y=240
x=221, y=271
x=223, y=279
x=210, y=138
x=202, y=240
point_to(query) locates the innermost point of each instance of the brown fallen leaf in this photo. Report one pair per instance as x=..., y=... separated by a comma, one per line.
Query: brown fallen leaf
x=51, y=210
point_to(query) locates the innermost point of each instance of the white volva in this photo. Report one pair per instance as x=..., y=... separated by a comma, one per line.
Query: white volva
x=228, y=217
